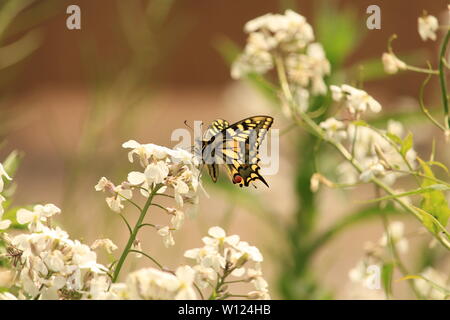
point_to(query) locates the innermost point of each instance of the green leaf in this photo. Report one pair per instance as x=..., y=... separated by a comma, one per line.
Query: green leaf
x=407, y=144
x=394, y=138
x=434, y=202
x=387, y=272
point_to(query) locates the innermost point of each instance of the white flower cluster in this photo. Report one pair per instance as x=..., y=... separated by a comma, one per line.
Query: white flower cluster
x=4, y=224
x=224, y=256
x=290, y=37
x=164, y=169
x=49, y=264
x=372, y=149
x=356, y=100
x=153, y=284
x=378, y=155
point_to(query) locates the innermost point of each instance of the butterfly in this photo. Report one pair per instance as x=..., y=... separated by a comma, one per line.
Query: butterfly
x=237, y=147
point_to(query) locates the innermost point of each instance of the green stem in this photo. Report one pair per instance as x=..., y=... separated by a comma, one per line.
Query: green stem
x=424, y=108
x=442, y=80
x=149, y=257
x=133, y=235
x=422, y=70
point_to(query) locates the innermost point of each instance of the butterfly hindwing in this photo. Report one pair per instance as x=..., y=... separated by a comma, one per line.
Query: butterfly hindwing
x=237, y=146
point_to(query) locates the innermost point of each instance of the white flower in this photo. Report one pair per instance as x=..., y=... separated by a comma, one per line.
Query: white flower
x=334, y=129
x=254, y=59
x=372, y=168
x=38, y=216
x=85, y=258
x=54, y=261
x=289, y=33
x=391, y=63
x=220, y=252
x=251, y=252
x=186, y=276
x=167, y=236
x=177, y=218
x=356, y=100
x=152, y=284
x=146, y=151
x=204, y=276
x=219, y=237
x=396, y=234
x=309, y=69
x=105, y=243
x=48, y=260
x=156, y=173
x=395, y=127
x=428, y=26
x=104, y=185
x=99, y=287
x=4, y=224
x=180, y=189
x=115, y=202
x=120, y=193
x=258, y=295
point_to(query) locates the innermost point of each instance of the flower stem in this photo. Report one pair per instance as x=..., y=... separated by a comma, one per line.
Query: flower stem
x=442, y=80
x=422, y=70
x=424, y=108
x=133, y=235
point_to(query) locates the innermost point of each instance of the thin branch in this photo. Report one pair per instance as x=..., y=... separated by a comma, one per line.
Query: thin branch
x=147, y=256
x=126, y=222
x=422, y=104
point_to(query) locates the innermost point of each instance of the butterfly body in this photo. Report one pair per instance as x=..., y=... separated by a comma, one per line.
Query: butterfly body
x=237, y=147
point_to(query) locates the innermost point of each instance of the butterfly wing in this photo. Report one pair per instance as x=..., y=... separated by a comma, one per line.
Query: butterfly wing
x=209, y=147
x=249, y=135
x=237, y=145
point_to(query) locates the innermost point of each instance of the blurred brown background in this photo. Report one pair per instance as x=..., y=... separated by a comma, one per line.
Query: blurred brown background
x=178, y=75
x=59, y=60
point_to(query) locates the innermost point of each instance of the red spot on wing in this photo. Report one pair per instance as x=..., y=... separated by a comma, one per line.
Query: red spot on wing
x=237, y=179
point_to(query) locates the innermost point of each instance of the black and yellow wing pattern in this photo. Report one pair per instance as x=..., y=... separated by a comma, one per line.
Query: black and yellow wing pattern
x=237, y=147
